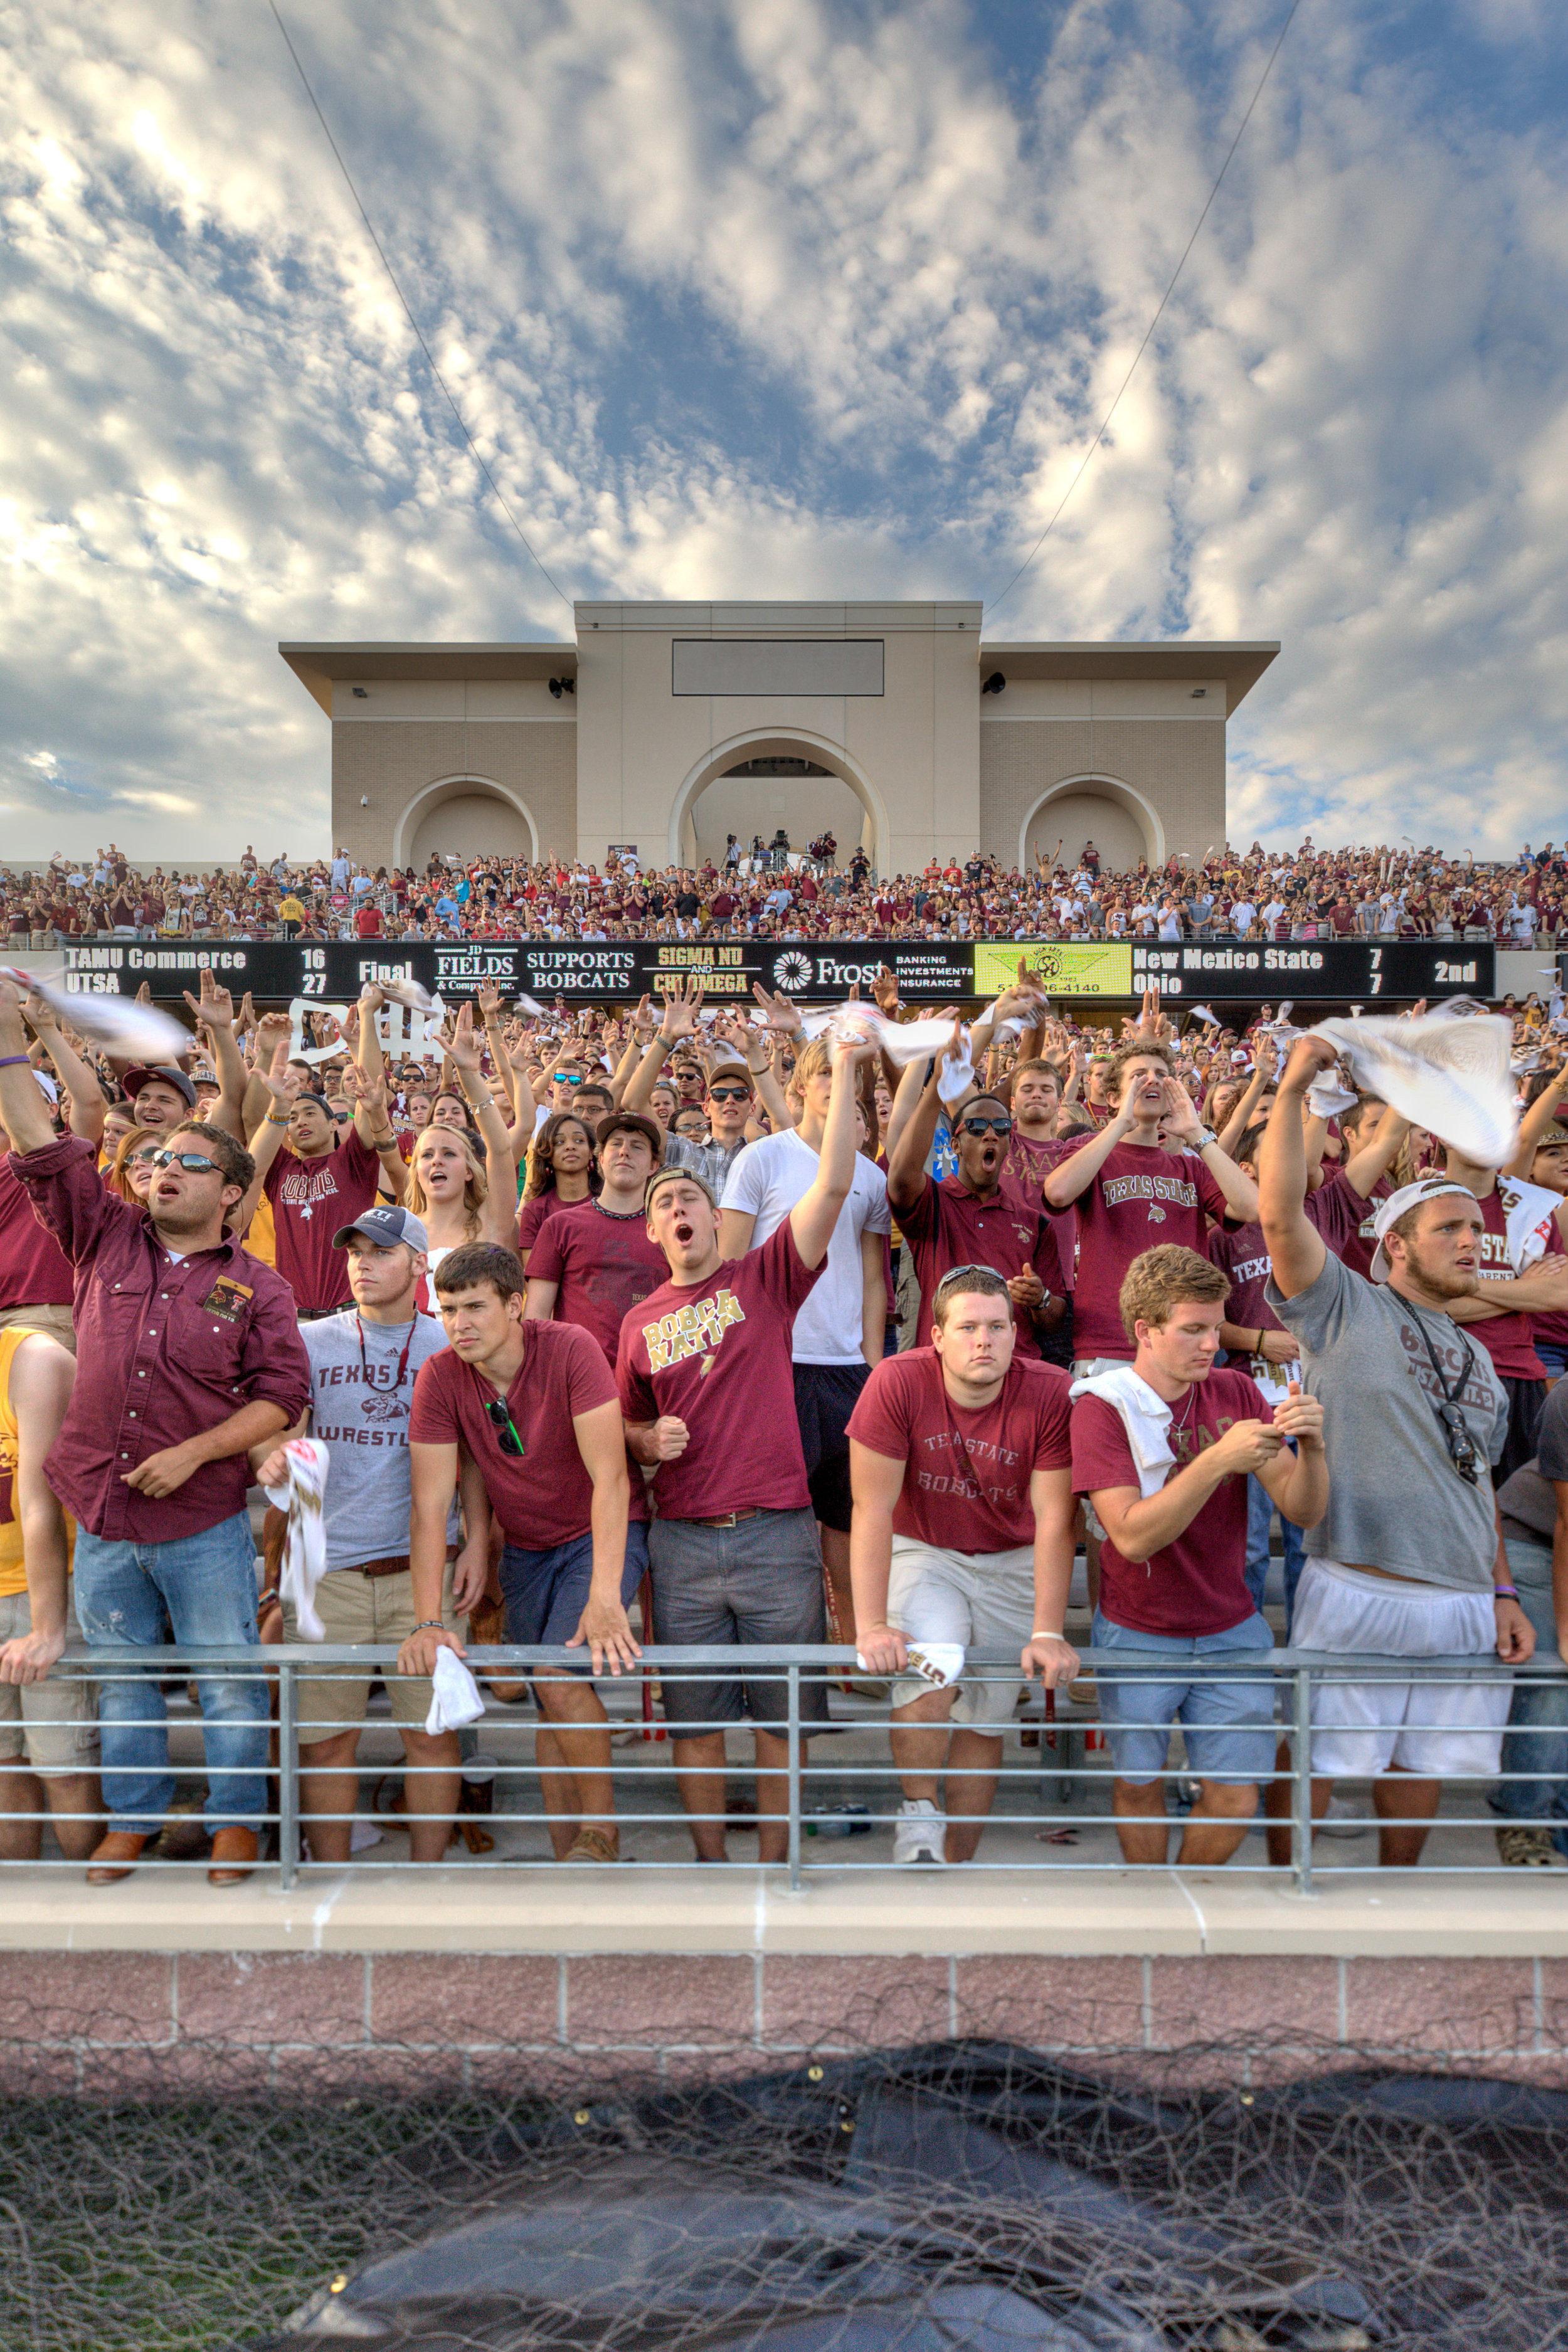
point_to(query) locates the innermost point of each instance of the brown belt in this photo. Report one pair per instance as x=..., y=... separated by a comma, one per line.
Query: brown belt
x=729, y=1519
x=393, y=1565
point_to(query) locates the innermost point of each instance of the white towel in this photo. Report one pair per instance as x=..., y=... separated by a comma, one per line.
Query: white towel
x=1530, y=1214
x=455, y=1699
x=120, y=1025
x=1144, y=1416
x=955, y=1076
x=1326, y=1099
x=1450, y=1077
x=305, y=1544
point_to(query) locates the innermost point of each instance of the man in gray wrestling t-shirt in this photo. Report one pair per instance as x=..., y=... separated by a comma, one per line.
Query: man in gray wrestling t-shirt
x=1408, y=1562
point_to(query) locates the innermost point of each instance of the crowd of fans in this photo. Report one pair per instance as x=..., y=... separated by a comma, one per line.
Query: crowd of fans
x=1383, y=892
x=595, y=1327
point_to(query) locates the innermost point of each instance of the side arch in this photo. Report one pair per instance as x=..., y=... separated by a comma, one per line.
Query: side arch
x=429, y=798
x=773, y=743
x=1112, y=791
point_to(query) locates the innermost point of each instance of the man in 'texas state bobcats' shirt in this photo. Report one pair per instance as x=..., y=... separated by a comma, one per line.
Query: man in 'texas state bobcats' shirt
x=1131, y=1194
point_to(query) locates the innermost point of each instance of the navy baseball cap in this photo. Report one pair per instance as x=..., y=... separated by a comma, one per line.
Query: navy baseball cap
x=386, y=1227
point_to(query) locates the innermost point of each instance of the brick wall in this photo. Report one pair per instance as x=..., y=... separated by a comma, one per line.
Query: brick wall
x=93, y=2020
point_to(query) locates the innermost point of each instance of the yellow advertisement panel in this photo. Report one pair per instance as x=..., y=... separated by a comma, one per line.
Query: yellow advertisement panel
x=1064, y=967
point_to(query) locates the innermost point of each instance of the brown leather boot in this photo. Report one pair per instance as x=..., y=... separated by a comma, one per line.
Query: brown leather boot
x=234, y=1855
x=116, y=1855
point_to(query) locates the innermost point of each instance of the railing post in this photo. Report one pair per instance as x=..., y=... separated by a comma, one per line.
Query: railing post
x=793, y=1730
x=1301, y=1782
x=288, y=1778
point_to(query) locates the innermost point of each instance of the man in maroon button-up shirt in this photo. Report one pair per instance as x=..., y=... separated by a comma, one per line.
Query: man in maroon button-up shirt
x=190, y=1355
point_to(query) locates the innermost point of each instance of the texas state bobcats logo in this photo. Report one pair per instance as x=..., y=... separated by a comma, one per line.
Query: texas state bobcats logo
x=1156, y=1216
x=691, y=1331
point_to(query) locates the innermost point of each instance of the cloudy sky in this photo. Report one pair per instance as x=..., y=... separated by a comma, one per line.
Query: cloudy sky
x=783, y=297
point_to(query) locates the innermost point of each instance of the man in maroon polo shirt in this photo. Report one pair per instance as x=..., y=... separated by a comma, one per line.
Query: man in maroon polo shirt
x=195, y=1357
x=977, y=1217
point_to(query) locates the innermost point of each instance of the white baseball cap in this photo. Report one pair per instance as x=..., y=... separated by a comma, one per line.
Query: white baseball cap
x=1389, y=1212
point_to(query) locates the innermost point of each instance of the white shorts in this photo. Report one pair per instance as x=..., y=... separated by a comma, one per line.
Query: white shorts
x=983, y=1600
x=1433, y=1729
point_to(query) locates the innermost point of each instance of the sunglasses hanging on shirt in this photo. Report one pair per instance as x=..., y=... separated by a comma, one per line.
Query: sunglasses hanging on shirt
x=1455, y=1430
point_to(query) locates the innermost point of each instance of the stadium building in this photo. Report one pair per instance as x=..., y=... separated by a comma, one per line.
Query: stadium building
x=667, y=727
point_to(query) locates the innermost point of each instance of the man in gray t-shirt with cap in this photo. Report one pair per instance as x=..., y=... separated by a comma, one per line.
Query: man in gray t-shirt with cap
x=364, y=1365
x=1408, y=1562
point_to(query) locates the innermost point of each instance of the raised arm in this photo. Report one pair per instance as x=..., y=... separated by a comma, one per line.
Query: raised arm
x=1182, y=1120
x=1074, y=1175
x=83, y=1092
x=213, y=1008
x=815, y=1213
x=1296, y=1249
x=462, y=1049
x=23, y=1111
x=917, y=1133
x=1532, y=1126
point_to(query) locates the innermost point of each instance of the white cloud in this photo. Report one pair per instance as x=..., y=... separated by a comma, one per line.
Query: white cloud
x=771, y=297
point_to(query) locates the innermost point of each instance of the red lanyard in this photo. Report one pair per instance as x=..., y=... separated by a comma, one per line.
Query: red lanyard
x=402, y=1360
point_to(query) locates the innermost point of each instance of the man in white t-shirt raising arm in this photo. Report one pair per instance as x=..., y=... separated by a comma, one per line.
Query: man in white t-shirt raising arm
x=1409, y=1559
x=839, y=1330
x=960, y=1458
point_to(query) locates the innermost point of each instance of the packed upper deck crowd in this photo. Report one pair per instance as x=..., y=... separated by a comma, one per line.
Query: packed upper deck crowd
x=597, y=1326
x=1387, y=891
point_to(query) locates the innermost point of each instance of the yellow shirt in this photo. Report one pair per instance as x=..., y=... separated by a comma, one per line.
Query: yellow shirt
x=12, y=1567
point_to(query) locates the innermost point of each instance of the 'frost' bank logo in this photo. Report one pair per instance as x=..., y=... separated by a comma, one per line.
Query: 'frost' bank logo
x=791, y=970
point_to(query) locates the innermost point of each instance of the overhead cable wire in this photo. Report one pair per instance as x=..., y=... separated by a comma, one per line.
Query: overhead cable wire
x=407, y=312
x=1165, y=299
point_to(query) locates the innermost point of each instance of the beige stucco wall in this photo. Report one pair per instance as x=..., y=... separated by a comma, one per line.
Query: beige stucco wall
x=1176, y=765
x=392, y=761
x=911, y=754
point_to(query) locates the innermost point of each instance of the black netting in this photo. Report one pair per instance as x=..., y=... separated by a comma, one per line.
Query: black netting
x=958, y=2194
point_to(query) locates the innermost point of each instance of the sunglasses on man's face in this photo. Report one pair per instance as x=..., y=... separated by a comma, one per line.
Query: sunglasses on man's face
x=192, y=1161
x=987, y=1125
x=568, y=1078
x=728, y=1094
x=501, y=1421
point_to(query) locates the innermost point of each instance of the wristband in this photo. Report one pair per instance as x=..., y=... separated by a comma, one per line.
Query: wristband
x=1260, y=1338
x=1044, y=1634
x=429, y=1625
x=8, y=1061
x=1505, y=1592
x=273, y=1119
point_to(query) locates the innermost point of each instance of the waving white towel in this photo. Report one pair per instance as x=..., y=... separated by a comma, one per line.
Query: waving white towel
x=121, y=1024
x=1451, y=1077
x=1530, y=1214
x=1145, y=1416
x=305, y=1544
x=455, y=1698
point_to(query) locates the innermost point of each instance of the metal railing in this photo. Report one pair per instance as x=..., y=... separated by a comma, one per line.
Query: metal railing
x=1063, y=1755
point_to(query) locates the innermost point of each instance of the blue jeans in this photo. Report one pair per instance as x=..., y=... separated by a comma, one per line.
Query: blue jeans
x=207, y=1583
x=1555, y=1359
x=1259, y=1517
x=1228, y=1726
x=1537, y=1736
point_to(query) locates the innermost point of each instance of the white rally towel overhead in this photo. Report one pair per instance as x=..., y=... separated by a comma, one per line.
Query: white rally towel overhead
x=455, y=1699
x=1450, y=1077
x=305, y=1545
x=122, y=1025
x=1144, y=1416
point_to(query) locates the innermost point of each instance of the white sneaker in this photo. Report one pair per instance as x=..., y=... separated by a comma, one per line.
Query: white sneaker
x=920, y=1834
x=1340, y=1822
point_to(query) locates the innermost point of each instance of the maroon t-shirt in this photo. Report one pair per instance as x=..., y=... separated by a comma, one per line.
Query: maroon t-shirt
x=312, y=1200
x=34, y=1269
x=967, y=1484
x=1508, y=1339
x=605, y=1264
x=1242, y=1253
x=1142, y=1198
x=949, y=1225
x=1342, y=1219
x=532, y=1216
x=717, y=1355
x=546, y=1498
x=1195, y=1585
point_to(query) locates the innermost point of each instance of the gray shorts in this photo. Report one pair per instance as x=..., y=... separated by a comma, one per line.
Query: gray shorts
x=760, y=1582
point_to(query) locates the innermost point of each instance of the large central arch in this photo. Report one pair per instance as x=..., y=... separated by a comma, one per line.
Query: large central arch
x=465, y=788
x=1110, y=789
x=777, y=743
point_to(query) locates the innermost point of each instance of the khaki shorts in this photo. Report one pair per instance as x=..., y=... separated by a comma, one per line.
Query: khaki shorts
x=55, y=1320
x=355, y=1609
x=980, y=1601
x=53, y=1725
